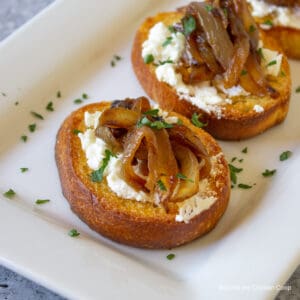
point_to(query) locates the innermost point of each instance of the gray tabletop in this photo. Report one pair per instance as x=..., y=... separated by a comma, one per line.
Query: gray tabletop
x=14, y=13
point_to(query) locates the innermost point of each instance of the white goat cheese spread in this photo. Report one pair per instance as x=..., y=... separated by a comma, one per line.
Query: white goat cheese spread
x=258, y=108
x=282, y=16
x=94, y=149
x=203, y=95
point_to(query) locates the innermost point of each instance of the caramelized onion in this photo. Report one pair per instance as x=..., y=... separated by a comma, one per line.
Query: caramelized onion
x=107, y=136
x=189, y=167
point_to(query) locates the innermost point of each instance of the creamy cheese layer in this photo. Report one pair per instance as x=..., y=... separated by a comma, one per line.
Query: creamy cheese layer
x=204, y=95
x=95, y=147
x=282, y=16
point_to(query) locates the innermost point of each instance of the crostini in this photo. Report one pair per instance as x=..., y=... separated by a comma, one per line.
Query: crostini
x=279, y=19
x=211, y=59
x=141, y=176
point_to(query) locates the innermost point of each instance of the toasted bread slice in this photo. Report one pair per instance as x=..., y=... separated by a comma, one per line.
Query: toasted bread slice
x=239, y=120
x=140, y=224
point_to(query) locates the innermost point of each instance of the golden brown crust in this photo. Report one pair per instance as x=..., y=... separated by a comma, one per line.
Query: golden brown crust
x=128, y=221
x=239, y=120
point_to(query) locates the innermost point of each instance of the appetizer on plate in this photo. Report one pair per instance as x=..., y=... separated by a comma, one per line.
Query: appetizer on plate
x=141, y=176
x=281, y=20
x=210, y=58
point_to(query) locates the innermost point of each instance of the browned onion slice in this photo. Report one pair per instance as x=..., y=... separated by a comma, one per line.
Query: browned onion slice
x=107, y=136
x=119, y=117
x=189, y=167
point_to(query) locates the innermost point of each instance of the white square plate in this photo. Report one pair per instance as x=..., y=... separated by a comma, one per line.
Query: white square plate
x=68, y=48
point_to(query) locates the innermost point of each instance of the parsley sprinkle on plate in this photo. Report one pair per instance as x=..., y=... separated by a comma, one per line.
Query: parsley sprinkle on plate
x=73, y=233
x=170, y=256
x=42, y=201
x=244, y=186
x=37, y=115
x=268, y=173
x=245, y=150
x=24, y=138
x=285, y=155
x=49, y=106
x=23, y=170
x=32, y=127
x=9, y=194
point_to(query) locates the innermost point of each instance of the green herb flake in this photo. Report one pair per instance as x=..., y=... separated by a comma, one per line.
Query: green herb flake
x=16, y=103
x=161, y=185
x=268, y=173
x=49, y=106
x=260, y=53
x=244, y=186
x=170, y=256
x=77, y=101
x=42, y=201
x=3, y=94
x=179, y=122
x=183, y=177
x=73, y=233
x=23, y=170
x=32, y=127
x=24, y=138
x=112, y=63
x=244, y=72
x=208, y=8
x=189, y=25
x=167, y=42
x=233, y=171
x=168, y=61
x=76, y=131
x=85, y=96
x=268, y=22
x=172, y=29
x=252, y=28
x=285, y=155
x=272, y=63
x=97, y=175
x=245, y=150
x=149, y=58
x=282, y=74
x=144, y=121
x=297, y=89
x=196, y=122
x=233, y=159
x=117, y=57
x=241, y=160
x=152, y=112
x=9, y=194
x=37, y=115
x=58, y=94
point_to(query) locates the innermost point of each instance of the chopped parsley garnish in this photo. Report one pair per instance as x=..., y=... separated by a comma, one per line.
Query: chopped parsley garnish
x=282, y=74
x=112, y=63
x=244, y=186
x=97, y=175
x=208, y=8
x=233, y=171
x=252, y=28
x=168, y=61
x=170, y=256
x=23, y=170
x=42, y=201
x=189, y=25
x=285, y=155
x=49, y=106
x=161, y=185
x=243, y=72
x=149, y=58
x=233, y=159
x=9, y=194
x=179, y=122
x=77, y=101
x=85, y=96
x=260, y=53
x=76, y=131
x=268, y=173
x=58, y=94
x=241, y=160
x=272, y=63
x=172, y=29
x=167, y=42
x=16, y=103
x=32, y=127
x=37, y=115
x=196, y=122
x=183, y=177
x=24, y=138
x=73, y=233
x=144, y=121
x=3, y=94
x=245, y=150
x=117, y=57
x=152, y=112
x=268, y=22
x=297, y=89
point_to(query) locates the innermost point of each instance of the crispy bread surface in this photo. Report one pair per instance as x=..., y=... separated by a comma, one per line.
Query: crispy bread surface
x=239, y=120
x=138, y=224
